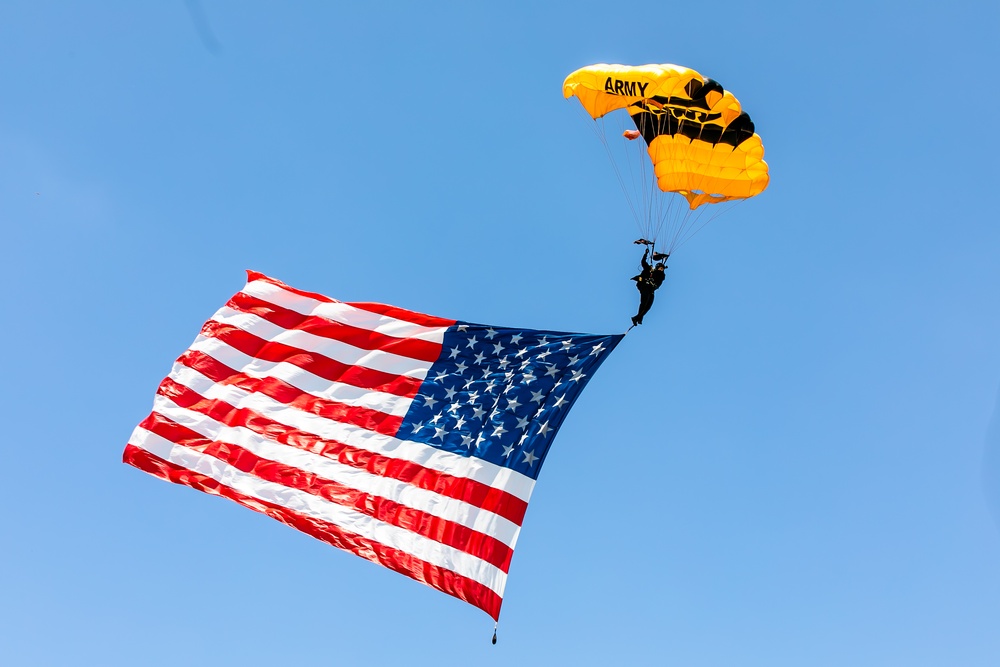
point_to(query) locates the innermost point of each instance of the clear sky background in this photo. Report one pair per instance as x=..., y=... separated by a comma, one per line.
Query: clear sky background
x=791, y=463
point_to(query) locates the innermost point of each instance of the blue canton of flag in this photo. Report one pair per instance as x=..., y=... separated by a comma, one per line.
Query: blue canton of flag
x=501, y=394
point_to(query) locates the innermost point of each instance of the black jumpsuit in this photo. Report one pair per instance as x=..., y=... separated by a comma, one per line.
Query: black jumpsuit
x=647, y=283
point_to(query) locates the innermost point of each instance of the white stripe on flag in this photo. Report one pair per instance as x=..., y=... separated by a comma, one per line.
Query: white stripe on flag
x=345, y=353
x=344, y=313
x=406, y=494
x=498, y=477
x=304, y=380
x=309, y=505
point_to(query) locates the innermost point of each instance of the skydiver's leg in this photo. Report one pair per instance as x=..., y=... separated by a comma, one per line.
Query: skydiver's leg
x=645, y=303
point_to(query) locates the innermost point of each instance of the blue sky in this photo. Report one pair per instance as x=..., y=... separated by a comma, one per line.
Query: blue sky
x=791, y=463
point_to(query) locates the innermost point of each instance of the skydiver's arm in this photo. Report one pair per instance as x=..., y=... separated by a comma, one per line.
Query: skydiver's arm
x=645, y=256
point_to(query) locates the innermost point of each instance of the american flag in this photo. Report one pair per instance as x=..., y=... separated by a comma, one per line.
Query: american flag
x=410, y=440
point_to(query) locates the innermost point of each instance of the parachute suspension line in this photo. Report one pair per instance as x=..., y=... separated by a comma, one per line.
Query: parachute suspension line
x=628, y=188
x=662, y=211
x=652, y=198
x=660, y=202
x=677, y=223
x=635, y=173
x=672, y=218
x=686, y=221
x=719, y=209
x=683, y=222
x=659, y=213
x=694, y=224
x=647, y=185
x=691, y=218
x=656, y=213
x=597, y=125
x=638, y=168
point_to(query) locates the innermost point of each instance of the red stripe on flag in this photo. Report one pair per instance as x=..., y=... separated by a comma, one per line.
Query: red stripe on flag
x=281, y=391
x=437, y=577
x=365, y=339
x=313, y=362
x=433, y=527
x=473, y=492
x=402, y=314
x=379, y=308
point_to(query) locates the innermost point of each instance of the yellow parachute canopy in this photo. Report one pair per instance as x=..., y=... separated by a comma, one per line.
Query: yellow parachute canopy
x=702, y=145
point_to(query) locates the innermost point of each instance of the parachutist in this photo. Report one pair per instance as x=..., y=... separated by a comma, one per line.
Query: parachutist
x=648, y=281
x=687, y=132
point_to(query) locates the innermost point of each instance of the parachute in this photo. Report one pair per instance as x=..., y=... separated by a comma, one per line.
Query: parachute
x=699, y=147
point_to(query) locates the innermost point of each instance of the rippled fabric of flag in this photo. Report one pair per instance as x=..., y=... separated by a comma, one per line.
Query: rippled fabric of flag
x=409, y=440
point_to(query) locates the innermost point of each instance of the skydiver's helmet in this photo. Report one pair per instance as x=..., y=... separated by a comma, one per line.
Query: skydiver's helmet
x=660, y=267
